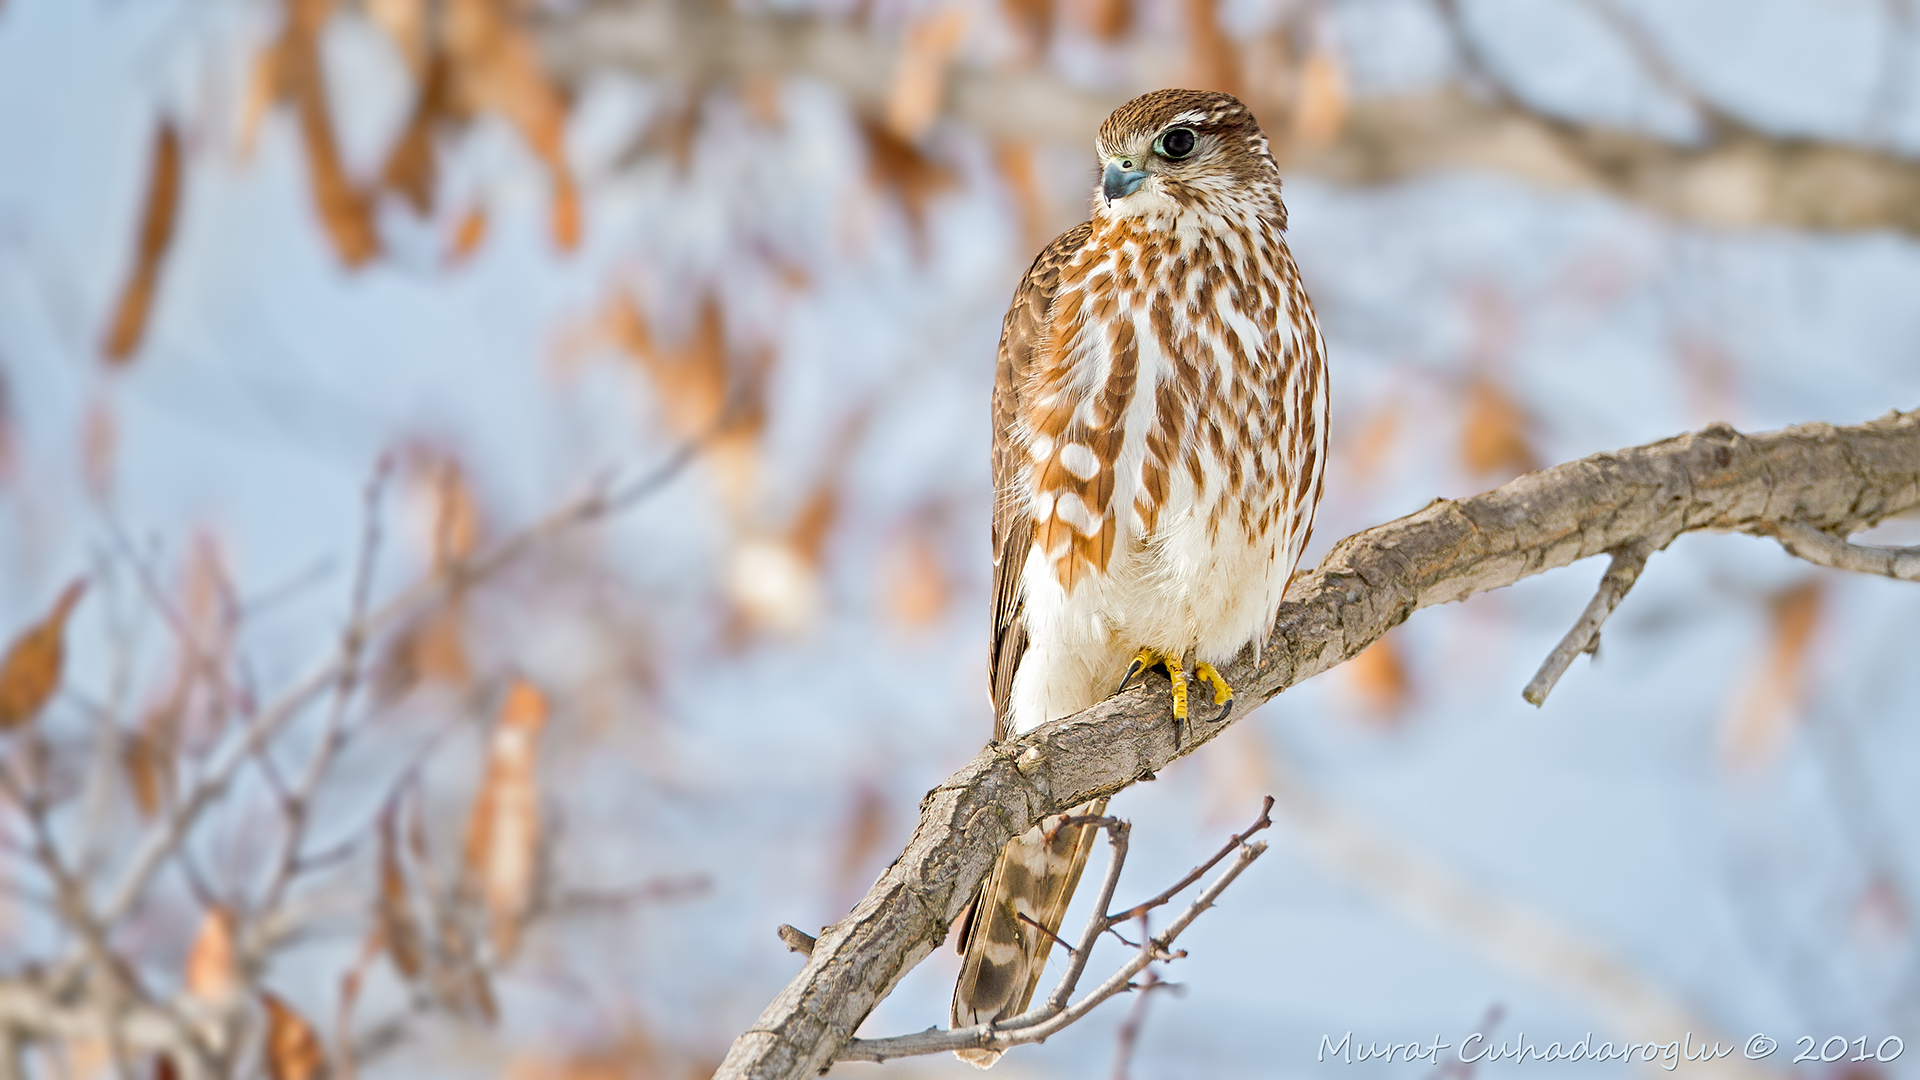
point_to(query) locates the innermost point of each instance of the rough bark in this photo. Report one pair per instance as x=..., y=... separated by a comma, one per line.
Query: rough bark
x=1739, y=177
x=1835, y=479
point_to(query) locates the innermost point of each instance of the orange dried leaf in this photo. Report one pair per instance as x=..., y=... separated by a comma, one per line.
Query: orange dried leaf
x=432, y=648
x=460, y=983
x=496, y=67
x=1378, y=677
x=898, y=166
x=31, y=671
x=1320, y=109
x=1033, y=19
x=1494, y=438
x=100, y=444
x=1107, y=20
x=412, y=167
x=1016, y=163
x=293, y=1050
x=456, y=516
x=920, y=72
x=156, y=236
x=1375, y=442
x=398, y=930
x=405, y=21
x=213, y=972
x=918, y=590
x=867, y=826
x=265, y=86
x=469, y=236
x=1215, y=64
x=503, y=832
x=150, y=774
x=566, y=211
x=1766, y=700
x=345, y=212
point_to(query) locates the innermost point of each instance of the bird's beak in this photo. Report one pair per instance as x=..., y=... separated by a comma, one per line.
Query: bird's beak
x=1118, y=183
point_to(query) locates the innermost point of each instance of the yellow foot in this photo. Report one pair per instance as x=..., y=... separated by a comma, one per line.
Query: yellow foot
x=1176, y=674
x=1222, y=693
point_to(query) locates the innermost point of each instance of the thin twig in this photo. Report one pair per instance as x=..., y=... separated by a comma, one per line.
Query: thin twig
x=1622, y=572
x=1057, y=939
x=1137, y=910
x=1128, y=1037
x=1825, y=549
x=220, y=773
x=1042, y=1021
x=298, y=804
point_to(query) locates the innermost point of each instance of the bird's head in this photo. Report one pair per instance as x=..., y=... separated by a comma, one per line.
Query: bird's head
x=1174, y=150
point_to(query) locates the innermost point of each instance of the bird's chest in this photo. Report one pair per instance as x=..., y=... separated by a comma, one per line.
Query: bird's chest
x=1156, y=396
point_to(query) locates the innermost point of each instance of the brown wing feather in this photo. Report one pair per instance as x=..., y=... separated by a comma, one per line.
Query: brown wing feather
x=1021, y=336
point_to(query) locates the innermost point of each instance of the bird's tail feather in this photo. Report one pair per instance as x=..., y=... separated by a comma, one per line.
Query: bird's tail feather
x=1004, y=955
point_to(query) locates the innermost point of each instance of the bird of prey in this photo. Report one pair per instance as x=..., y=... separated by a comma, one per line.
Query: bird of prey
x=1160, y=431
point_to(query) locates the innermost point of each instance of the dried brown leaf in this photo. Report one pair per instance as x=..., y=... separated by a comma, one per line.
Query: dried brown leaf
x=32, y=669
x=868, y=822
x=405, y=21
x=430, y=649
x=459, y=982
x=1320, y=109
x=1016, y=163
x=1215, y=64
x=1494, y=438
x=920, y=72
x=1106, y=20
x=496, y=67
x=99, y=448
x=1374, y=443
x=1767, y=699
x=1032, y=20
x=412, y=167
x=918, y=588
x=156, y=237
x=346, y=214
x=503, y=831
x=213, y=970
x=399, y=931
x=898, y=166
x=456, y=515
x=293, y=1050
x=148, y=765
x=468, y=237
x=1378, y=678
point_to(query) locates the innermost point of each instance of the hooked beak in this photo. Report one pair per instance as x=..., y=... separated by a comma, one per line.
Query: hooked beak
x=1118, y=183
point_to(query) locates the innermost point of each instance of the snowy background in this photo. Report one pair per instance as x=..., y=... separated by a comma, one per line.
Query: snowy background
x=758, y=687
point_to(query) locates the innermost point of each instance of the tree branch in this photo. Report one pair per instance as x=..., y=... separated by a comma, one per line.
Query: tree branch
x=1625, y=569
x=1833, y=478
x=1741, y=177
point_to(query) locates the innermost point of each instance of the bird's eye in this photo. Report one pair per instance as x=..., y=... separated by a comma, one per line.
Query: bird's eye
x=1175, y=143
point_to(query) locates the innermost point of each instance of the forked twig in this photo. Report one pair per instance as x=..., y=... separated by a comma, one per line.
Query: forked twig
x=1050, y=1016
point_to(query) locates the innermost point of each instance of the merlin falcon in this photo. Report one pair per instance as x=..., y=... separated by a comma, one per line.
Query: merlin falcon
x=1159, y=435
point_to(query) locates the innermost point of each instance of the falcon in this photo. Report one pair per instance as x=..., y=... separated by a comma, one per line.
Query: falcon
x=1160, y=432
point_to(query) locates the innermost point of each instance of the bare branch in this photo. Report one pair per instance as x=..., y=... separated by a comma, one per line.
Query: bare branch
x=1625, y=569
x=796, y=939
x=1744, y=177
x=1039, y=1024
x=1834, y=478
x=1822, y=548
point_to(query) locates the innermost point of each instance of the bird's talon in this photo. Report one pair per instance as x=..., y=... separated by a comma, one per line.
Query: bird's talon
x=1222, y=693
x=1142, y=660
